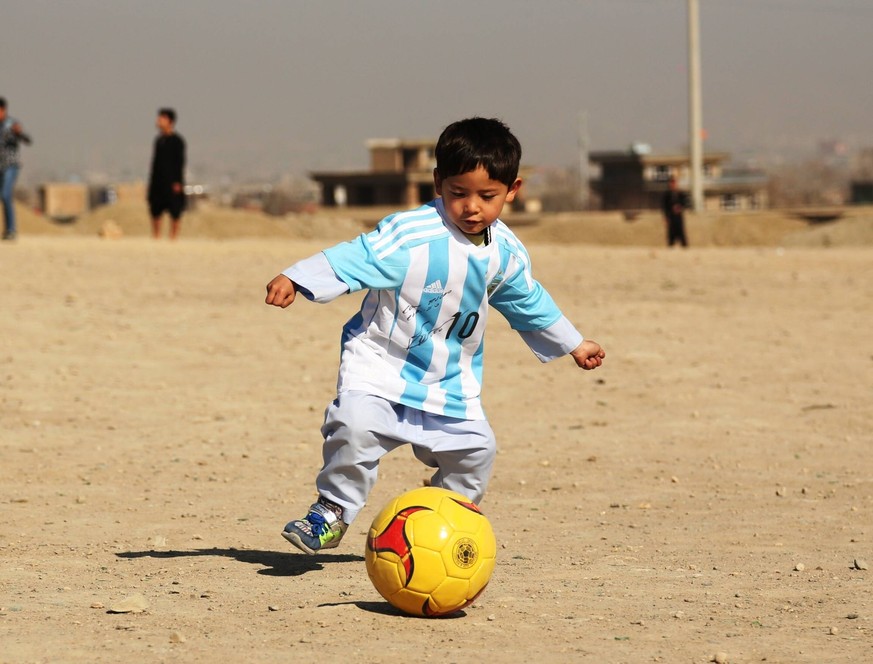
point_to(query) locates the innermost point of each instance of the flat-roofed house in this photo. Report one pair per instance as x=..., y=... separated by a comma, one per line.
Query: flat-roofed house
x=401, y=174
x=636, y=179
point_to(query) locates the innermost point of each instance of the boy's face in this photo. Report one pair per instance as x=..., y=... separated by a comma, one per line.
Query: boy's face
x=473, y=200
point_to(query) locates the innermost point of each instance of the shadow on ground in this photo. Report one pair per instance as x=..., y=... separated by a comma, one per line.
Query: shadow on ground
x=386, y=609
x=275, y=563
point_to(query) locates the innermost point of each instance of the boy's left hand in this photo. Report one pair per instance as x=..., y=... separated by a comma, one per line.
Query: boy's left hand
x=588, y=355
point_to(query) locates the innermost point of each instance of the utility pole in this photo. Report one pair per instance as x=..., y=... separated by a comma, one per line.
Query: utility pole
x=695, y=112
x=584, y=185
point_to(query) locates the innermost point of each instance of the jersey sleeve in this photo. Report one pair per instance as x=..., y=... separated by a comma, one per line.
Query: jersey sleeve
x=532, y=312
x=554, y=341
x=349, y=267
x=316, y=280
x=359, y=267
x=521, y=299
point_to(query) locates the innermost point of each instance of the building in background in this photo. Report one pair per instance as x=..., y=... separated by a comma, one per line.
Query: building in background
x=636, y=179
x=861, y=184
x=64, y=201
x=401, y=174
x=861, y=192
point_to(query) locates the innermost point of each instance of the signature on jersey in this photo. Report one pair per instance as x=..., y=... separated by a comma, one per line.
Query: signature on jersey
x=434, y=302
x=465, y=322
x=427, y=332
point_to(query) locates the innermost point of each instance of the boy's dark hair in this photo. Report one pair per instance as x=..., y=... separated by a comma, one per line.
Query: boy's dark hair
x=466, y=145
x=168, y=113
x=2, y=102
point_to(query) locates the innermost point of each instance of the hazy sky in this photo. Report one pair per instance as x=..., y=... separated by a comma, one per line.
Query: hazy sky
x=265, y=87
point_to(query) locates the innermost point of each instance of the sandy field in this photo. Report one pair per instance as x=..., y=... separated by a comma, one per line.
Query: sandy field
x=706, y=495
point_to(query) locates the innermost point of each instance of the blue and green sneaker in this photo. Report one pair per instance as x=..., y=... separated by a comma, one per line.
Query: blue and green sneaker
x=320, y=529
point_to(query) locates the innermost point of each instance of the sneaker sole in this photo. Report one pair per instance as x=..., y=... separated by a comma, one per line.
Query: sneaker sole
x=294, y=538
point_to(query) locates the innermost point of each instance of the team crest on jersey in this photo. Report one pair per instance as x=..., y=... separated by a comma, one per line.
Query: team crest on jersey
x=495, y=282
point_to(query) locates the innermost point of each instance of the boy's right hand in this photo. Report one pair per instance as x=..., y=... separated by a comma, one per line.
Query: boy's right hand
x=588, y=355
x=281, y=291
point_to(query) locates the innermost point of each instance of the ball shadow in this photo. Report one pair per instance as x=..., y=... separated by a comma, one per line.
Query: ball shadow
x=386, y=609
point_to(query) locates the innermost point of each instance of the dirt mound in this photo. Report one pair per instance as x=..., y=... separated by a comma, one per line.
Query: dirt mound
x=30, y=222
x=208, y=221
x=852, y=232
x=765, y=228
x=752, y=229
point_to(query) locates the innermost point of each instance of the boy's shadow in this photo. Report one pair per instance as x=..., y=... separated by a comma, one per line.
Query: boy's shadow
x=275, y=563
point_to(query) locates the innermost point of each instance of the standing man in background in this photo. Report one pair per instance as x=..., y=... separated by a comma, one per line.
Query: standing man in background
x=167, y=177
x=674, y=205
x=11, y=135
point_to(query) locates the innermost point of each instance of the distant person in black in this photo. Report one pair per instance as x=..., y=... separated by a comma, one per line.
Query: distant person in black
x=674, y=205
x=167, y=177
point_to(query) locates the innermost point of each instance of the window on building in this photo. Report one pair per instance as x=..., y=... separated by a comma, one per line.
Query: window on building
x=410, y=159
x=362, y=195
x=425, y=193
x=730, y=202
x=662, y=173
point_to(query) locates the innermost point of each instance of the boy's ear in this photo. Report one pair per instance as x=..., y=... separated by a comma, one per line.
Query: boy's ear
x=437, y=183
x=513, y=190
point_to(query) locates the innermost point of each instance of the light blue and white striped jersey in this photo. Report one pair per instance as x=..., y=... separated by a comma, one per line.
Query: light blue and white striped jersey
x=418, y=337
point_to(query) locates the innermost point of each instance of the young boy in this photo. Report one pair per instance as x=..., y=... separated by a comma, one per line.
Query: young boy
x=411, y=362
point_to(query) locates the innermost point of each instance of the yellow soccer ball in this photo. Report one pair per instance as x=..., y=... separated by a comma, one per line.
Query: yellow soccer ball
x=430, y=552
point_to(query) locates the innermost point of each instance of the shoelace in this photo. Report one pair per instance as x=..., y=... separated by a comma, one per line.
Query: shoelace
x=319, y=524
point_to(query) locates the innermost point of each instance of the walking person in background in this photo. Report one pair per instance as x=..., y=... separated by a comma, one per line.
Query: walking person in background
x=11, y=135
x=167, y=176
x=674, y=205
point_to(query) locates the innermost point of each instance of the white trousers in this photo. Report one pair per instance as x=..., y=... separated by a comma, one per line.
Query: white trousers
x=359, y=429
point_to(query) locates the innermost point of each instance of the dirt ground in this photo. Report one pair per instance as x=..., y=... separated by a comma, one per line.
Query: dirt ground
x=706, y=495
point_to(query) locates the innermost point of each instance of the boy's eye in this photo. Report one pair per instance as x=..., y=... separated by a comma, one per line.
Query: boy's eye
x=463, y=194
